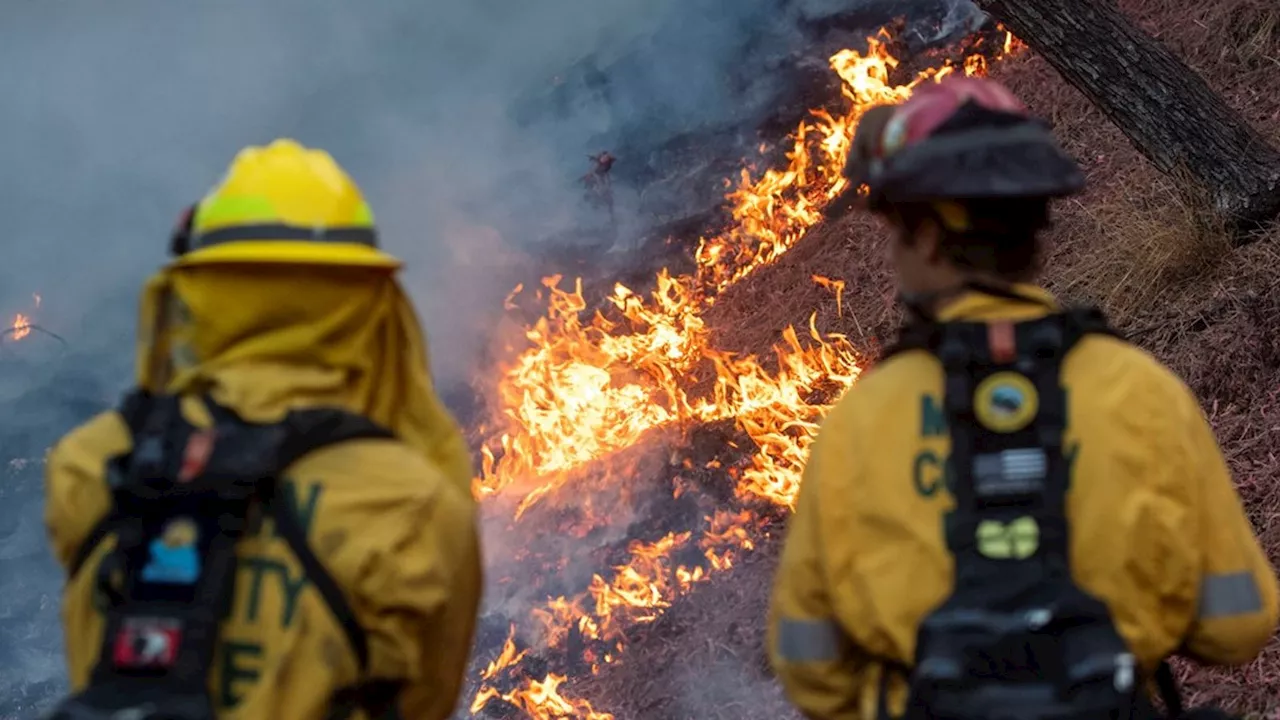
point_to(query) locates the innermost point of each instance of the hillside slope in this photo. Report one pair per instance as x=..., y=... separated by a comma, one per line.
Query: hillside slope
x=1137, y=242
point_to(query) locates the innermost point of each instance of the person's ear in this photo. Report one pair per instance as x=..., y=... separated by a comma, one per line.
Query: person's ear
x=929, y=241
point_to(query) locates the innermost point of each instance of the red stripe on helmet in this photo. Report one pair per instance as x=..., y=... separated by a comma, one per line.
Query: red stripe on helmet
x=932, y=104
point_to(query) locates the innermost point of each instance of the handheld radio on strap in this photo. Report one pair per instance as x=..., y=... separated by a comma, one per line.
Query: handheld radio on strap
x=182, y=498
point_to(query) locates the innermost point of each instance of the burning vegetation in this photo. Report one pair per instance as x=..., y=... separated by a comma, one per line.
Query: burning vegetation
x=628, y=458
x=21, y=327
x=599, y=389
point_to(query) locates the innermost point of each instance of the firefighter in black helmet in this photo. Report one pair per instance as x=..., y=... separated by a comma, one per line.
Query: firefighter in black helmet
x=1016, y=514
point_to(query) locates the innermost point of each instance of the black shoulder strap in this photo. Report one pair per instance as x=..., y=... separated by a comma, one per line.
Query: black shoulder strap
x=1004, y=471
x=136, y=411
x=311, y=430
x=1021, y=464
x=160, y=440
x=307, y=431
x=1167, y=684
x=926, y=335
x=1090, y=320
x=915, y=335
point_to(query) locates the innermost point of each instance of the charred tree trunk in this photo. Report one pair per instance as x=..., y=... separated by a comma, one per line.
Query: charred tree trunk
x=1164, y=107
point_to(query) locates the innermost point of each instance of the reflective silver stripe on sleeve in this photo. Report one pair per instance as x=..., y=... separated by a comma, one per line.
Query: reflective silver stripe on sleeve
x=1229, y=594
x=810, y=640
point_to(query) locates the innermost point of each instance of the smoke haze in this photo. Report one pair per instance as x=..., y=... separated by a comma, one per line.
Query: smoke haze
x=117, y=115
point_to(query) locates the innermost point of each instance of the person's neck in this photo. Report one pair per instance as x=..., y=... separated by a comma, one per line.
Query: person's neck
x=929, y=303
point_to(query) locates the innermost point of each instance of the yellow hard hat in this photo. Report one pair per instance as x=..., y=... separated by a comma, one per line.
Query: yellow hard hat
x=282, y=203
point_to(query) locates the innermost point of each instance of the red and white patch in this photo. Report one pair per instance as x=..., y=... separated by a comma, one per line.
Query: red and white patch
x=196, y=455
x=932, y=104
x=147, y=643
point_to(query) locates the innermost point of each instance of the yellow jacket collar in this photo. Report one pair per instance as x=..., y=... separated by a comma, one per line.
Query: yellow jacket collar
x=975, y=305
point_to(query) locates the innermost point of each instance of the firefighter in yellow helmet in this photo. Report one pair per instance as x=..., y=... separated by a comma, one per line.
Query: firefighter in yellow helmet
x=277, y=522
x=1015, y=514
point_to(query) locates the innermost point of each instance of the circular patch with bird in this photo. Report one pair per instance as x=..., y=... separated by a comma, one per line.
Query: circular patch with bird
x=1006, y=402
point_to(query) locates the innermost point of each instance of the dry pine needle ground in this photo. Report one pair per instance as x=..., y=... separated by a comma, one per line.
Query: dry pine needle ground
x=1139, y=243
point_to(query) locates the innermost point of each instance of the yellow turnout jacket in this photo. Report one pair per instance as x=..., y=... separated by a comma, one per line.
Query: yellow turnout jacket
x=1157, y=529
x=392, y=521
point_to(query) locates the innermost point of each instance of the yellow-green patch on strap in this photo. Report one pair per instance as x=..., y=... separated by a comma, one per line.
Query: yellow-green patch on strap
x=1015, y=540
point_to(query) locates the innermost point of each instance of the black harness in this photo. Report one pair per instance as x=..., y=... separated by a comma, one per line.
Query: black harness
x=182, y=498
x=1017, y=639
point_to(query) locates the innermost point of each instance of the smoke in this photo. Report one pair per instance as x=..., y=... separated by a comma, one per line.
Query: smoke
x=117, y=117
x=466, y=123
x=115, y=120
x=929, y=21
x=961, y=18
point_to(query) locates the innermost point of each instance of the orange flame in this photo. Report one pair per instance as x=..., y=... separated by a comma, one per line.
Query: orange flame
x=1012, y=45
x=591, y=385
x=508, y=657
x=21, y=326
x=542, y=701
x=836, y=286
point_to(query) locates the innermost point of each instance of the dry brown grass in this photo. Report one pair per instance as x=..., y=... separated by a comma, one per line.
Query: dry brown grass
x=1146, y=247
x=1140, y=243
x=751, y=313
x=703, y=659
